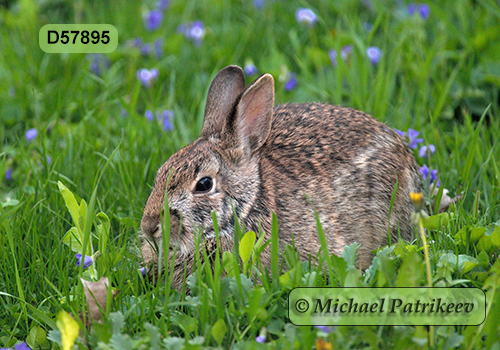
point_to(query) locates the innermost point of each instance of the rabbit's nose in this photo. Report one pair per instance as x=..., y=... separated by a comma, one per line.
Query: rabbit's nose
x=149, y=225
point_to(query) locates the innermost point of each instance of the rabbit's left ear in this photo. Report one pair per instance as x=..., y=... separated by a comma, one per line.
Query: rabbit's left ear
x=225, y=88
x=248, y=128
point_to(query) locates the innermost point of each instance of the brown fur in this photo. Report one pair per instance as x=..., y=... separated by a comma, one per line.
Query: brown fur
x=266, y=159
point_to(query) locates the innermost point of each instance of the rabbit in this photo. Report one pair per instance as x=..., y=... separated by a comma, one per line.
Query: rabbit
x=290, y=160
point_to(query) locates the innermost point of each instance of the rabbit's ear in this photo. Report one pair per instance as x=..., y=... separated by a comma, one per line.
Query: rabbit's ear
x=226, y=86
x=252, y=119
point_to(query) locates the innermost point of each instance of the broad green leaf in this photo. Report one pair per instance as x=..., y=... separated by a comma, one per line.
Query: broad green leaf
x=229, y=264
x=286, y=280
x=69, y=329
x=339, y=268
x=187, y=323
x=477, y=233
x=70, y=201
x=10, y=203
x=435, y=222
x=73, y=239
x=246, y=246
x=219, y=330
x=411, y=273
x=37, y=337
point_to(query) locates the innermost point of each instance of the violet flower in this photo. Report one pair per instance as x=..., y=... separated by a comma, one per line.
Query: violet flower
x=167, y=120
x=149, y=115
x=153, y=19
x=332, y=54
x=20, y=346
x=414, y=141
x=87, y=261
x=146, y=76
x=305, y=15
x=250, y=69
x=423, y=10
x=8, y=174
x=374, y=54
x=422, y=152
x=31, y=134
x=291, y=82
x=98, y=63
x=145, y=49
x=194, y=31
x=326, y=329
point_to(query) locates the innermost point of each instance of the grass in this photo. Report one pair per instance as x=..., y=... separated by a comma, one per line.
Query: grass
x=437, y=75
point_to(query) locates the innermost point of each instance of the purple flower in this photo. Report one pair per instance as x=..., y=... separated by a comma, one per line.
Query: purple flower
x=260, y=339
x=158, y=48
x=98, y=63
x=291, y=82
x=87, y=261
x=167, y=117
x=143, y=271
x=146, y=76
x=326, y=329
x=333, y=57
x=422, y=152
x=124, y=112
x=346, y=52
x=414, y=141
x=145, y=49
x=424, y=170
x=149, y=115
x=197, y=31
x=137, y=42
x=22, y=346
x=250, y=69
x=162, y=4
x=423, y=10
x=8, y=174
x=49, y=160
x=258, y=4
x=401, y=133
x=305, y=15
x=374, y=54
x=31, y=134
x=434, y=175
x=152, y=20
x=194, y=31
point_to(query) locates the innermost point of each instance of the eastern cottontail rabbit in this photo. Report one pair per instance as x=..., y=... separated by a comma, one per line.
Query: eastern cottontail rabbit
x=260, y=159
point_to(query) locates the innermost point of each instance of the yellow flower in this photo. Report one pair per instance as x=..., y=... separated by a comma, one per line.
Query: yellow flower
x=322, y=344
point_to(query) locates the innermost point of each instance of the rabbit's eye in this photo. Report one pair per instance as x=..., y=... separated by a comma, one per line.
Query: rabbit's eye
x=204, y=185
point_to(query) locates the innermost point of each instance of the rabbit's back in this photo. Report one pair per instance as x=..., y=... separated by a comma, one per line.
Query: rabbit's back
x=346, y=164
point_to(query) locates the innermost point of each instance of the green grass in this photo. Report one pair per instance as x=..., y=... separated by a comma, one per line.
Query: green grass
x=439, y=76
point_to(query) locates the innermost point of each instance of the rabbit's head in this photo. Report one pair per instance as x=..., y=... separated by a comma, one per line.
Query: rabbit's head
x=217, y=172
